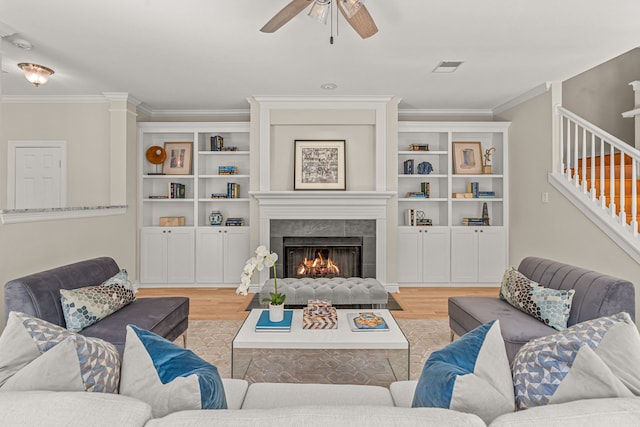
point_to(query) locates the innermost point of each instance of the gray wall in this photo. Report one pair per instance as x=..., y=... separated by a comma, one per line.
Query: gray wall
x=34, y=246
x=602, y=94
x=556, y=230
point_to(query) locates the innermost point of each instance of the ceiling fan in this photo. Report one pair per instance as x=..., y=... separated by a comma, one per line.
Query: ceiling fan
x=355, y=13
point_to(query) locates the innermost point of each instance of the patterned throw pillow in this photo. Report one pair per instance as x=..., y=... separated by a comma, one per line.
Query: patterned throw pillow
x=470, y=375
x=168, y=377
x=594, y=359
x=38, y=355
x=550, y=306
x=83, y=307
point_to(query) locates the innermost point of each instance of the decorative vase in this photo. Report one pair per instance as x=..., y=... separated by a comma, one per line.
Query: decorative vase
x=276, y=312
x=215, y=218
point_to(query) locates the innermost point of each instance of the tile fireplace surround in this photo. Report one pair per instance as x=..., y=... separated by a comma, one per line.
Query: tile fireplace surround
x=347, y=206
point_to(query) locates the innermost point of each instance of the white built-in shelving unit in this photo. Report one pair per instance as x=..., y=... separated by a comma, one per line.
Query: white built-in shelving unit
x=449, y=252
x=197, y=253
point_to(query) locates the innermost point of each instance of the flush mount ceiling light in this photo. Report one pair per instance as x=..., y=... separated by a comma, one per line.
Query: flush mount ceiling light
x=354, y=11
x=36, y=74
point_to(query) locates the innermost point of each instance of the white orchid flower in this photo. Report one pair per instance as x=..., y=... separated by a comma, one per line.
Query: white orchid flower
x=262, y=251
x=270, y=259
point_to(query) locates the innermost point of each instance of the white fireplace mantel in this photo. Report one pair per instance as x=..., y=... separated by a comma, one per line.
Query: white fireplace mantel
x=371, y=205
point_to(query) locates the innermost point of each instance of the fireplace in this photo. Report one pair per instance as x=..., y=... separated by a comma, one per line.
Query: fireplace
x=320, y=256
x=353, y=244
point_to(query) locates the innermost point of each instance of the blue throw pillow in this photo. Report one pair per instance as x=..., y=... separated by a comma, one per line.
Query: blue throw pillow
x=168, y=377
x=470, y=375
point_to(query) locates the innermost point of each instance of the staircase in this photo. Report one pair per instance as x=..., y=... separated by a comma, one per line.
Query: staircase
x=599, y=174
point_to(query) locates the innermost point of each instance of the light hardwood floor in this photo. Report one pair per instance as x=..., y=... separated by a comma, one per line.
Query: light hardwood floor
x=224, y=304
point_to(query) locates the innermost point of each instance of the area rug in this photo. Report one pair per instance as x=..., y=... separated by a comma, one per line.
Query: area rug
x=211, y=340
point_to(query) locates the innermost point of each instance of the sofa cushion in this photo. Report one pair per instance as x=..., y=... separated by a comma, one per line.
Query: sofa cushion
x=64, y=409
x=550, y=306
x=83, y=307
x=470, y=375
x=168, y=377
x=618, y=412
x=593, y=359
x=279, y=395
x=334, y=416
x=518, y=328
x=164, y=316
x=37, y=355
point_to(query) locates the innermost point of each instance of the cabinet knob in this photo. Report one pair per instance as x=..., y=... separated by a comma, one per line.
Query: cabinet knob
x=164, y=231
x=168, y=231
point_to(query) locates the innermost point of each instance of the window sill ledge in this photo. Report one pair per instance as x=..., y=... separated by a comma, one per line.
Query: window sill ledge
x=12, y=216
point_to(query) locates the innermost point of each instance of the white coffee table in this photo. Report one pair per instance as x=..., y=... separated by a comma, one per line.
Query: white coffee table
x=391, y=345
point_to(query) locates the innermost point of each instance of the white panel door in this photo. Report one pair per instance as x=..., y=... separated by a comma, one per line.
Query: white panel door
x=492, y=255
x=236, y=254
x=38, y=174
x=153, y=255
x=436, y=255
x=180, y=255
x=464, y=254
x=409, y=255
x=209, y=259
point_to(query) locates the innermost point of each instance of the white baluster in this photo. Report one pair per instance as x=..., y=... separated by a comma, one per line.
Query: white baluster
x=576, y=155
x=634, y=198
x=592, y=190
x=612, y=183
x=584, y=160
x=623, y=214
x=569, y=171
x=603, y=198
x=563, y=164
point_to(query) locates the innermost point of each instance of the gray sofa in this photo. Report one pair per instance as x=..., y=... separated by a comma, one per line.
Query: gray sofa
x=596, y=295
x=38, y=295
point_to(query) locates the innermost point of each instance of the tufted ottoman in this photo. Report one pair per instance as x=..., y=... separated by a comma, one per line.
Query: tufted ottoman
x=338, y=290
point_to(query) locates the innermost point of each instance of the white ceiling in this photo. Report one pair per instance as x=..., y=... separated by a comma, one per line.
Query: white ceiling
x=210, y=54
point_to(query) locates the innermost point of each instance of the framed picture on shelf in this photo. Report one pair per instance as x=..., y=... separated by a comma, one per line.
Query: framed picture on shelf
x=319, y=165
x=178, y=160
x=467, y=158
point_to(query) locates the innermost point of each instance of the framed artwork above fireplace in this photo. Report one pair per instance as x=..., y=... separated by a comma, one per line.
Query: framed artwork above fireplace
x=319, y=165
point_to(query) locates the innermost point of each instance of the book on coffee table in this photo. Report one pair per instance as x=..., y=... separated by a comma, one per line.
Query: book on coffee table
x=266, y=325
x=367, y=321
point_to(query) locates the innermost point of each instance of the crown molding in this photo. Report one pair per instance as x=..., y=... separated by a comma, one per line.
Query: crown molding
x=538, y=90
x=451, y=112
x=196, y=113
x=53, y=99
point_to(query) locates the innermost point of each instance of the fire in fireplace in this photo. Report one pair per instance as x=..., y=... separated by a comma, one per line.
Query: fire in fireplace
x=321, y=265
x=323, y=256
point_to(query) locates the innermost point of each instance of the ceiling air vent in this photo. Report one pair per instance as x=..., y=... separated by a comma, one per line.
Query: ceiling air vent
x=447, y=66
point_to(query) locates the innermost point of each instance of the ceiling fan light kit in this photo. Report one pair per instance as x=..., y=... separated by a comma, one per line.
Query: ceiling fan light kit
x=36, y=74
x=320, y=11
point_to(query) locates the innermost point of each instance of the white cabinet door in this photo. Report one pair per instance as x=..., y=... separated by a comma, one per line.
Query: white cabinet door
x=209, y=250
x=153, y=255
x=464, y=254
x=236, y=254
x=436, y=250
x=221, y=254
x=478, y=254
x=180, y=255
x=492, y=254
x=409, y=255
x=167, y=255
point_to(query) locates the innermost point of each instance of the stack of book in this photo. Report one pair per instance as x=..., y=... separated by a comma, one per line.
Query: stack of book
x=266, y=325
x=227, y=170
x=177, y=190
x=473, y=188
x=472, y=221
x=233, y=190
x=234, y=222
x=219, y=195
x=486, y=194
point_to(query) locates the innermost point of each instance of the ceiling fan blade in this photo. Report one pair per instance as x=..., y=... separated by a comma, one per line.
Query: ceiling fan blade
x=285, y=15
x=362, y=21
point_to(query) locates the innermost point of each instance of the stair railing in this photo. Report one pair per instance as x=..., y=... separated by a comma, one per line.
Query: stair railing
x=585, y=152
